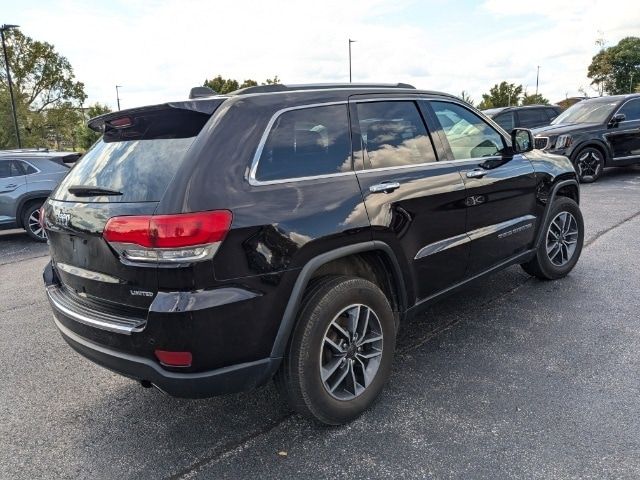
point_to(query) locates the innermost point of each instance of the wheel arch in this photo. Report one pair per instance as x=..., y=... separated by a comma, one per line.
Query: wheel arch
x=599, y=145
x=26, y=200
x=562, y=188
x=380, y=257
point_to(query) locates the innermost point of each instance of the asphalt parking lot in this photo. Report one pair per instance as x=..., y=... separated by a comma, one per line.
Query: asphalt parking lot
x=512, y=378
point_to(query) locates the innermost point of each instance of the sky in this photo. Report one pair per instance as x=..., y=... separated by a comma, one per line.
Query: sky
x=158, y=49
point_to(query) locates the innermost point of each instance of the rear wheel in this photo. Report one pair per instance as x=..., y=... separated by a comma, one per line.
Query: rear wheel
x=31, y=223
x=341, y=351
x=561, y=243
x=589, y=163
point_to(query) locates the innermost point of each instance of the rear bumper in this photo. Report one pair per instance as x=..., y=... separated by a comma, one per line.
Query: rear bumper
x=234, y=378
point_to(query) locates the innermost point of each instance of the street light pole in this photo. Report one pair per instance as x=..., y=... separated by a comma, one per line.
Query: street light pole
x=118, y=95
x=537, y=78
x=3, y=29
x=350, y=42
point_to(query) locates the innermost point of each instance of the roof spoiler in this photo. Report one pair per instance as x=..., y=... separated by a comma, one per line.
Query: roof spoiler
x=200, y=92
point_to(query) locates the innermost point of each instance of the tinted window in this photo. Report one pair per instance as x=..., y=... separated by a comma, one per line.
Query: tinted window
x=139, y=160
x=631, y=109
x=586, y=111
x=393, y=134
x=532, y=117
x=505, y=120
x=468, y=135
x=28, y=169
x=307, y=142
x=552, y=113
x=10, y=168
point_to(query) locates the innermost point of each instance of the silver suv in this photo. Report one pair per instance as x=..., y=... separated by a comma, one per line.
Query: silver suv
x=27, y=177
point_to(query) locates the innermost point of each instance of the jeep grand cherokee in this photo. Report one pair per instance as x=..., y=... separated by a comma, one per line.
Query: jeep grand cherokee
x=209, y=245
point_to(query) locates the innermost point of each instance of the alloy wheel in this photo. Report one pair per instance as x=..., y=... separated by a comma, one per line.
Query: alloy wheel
x=351, y=352
x=562, y=238
x=589, y=164
x=34, y=225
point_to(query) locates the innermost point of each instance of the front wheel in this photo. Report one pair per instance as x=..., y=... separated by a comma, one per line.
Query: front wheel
x=341, y=351
x=561, y=244
x=589, y=163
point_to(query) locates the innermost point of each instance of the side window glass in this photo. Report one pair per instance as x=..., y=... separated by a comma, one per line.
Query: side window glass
x=631, y=110
x=27, y=168
x=393, y=134
x=307, y=142
x=468, y=135
x=505, y=120
x=532, y=117
x=5, y=169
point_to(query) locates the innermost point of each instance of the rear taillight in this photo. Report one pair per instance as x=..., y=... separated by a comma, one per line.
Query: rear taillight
x=183, y=237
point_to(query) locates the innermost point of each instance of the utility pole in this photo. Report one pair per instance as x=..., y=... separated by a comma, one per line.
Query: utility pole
x=537, y=79
x=118, y=95
x=3, y=29
x=350, y=42
x=631, y=84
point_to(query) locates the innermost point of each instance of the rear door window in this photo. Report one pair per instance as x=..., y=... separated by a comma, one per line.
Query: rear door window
x=138, y=161
x=394, y=134
x=10, y=168
x=306, y=142
x=532, y=117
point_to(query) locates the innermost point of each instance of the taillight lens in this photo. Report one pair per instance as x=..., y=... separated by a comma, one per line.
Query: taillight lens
x=182, y=237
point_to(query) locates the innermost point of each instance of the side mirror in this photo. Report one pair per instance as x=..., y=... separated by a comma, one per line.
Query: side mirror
x=616, y=119
x=521, y=140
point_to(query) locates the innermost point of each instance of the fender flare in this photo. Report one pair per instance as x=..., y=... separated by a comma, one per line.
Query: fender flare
x=547, y=209
x=27, y=197
x=289, y=317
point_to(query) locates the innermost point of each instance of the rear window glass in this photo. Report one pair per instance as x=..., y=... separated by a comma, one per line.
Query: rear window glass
x=306, y=142
x=139, y=162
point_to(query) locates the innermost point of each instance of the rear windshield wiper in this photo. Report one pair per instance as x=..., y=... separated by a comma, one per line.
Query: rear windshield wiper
x=91, y=191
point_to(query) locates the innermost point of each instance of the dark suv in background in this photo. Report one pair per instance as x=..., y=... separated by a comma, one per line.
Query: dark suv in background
x=529, y=116
x=595, y=133
x=206, y=246
x=27, y=177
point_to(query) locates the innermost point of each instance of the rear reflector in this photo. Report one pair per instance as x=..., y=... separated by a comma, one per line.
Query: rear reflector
x=168, y=238
x=174, y=359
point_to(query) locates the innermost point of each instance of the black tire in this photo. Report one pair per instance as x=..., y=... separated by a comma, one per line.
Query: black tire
x=589, y=164
x=34, y=230
x=299, y=379
x=545, y=265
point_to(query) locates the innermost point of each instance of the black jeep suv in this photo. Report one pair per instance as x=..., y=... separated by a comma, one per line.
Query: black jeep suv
x=206, y=246
x=595, y=133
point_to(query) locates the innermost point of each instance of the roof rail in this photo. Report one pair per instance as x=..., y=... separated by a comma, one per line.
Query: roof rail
x=316, y=86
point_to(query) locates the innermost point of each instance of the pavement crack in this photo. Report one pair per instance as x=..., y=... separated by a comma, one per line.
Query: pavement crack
x=227, y=448
x=607, y=230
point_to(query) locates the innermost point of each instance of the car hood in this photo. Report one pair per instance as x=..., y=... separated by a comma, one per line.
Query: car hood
x=561, y=129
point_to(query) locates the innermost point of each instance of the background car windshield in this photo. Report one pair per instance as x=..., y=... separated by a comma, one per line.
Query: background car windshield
x=586, y=112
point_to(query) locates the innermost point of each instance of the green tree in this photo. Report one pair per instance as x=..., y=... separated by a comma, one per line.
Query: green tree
x=228, y=85
x=86, y=137
x=503, y=94
x=616, y=70
x=44, y=86
x=464, y=96
x=533, y=99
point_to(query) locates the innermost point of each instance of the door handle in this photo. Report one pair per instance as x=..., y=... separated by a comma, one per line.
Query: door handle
x=477, y=173
x=384, y=187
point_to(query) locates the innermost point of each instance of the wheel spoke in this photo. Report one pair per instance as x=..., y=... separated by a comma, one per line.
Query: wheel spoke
x=341, y=330
x=343, y=375
x=369, y=355
x=334, y=346
x=354, y=318
x=331, y=367
x=370, y=339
